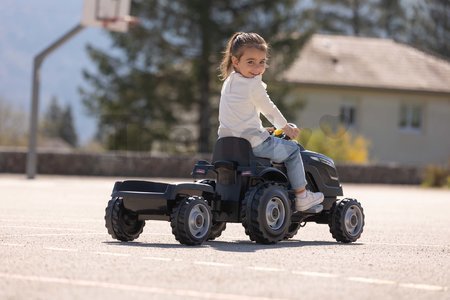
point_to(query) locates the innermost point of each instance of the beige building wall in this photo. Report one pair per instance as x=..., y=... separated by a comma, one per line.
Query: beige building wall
x=377, y=119
x=438, y=129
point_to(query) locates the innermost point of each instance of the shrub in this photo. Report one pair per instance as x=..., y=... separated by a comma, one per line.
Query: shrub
x=340, y=145
x=12, y=125
x=436, y=176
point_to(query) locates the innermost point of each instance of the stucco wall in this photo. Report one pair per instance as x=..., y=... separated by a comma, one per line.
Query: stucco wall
x=377, y=118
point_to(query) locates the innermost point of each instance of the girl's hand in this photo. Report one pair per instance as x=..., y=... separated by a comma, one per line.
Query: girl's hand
x=291, y=131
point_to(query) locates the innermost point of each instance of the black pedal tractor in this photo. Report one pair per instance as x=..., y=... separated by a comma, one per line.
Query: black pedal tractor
x=245, y=189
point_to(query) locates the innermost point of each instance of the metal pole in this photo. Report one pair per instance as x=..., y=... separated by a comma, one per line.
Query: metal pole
x=37, y=62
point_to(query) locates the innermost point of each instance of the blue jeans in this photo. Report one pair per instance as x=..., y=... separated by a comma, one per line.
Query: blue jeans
x=287, y=152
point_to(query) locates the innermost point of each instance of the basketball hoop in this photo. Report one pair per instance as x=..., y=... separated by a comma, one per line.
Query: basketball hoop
x=113, y=15
x=107, y=22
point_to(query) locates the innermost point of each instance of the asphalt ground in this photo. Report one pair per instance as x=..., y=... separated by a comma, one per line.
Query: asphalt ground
x=53, y=245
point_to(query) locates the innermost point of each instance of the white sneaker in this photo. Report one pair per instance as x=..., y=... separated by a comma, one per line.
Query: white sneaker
x=309, y=200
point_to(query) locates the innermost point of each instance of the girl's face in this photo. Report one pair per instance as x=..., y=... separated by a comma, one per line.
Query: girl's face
x=252, y=62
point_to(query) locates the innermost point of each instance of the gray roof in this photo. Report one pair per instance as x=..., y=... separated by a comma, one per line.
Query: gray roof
x=368, y=62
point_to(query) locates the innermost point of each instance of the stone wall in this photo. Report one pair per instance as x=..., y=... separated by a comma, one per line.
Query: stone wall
x=376, y=173
x=180, y=166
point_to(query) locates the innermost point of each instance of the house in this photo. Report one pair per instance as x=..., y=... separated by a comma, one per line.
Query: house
x=394, y=95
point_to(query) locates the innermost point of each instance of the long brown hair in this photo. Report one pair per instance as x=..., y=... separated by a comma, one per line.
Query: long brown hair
x=235, y=47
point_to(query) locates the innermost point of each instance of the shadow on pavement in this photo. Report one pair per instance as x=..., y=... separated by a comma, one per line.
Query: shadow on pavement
x=235, y=246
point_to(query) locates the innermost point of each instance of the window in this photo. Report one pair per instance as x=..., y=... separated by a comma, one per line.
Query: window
x=347, y=115
x=410, y=117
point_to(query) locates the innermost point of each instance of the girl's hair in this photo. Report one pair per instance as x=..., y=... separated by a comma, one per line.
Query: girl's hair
x=235, y=47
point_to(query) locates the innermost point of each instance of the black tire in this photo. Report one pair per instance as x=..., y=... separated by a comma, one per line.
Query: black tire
x=245, y=209
x=266, y=213
x=217, y=227
x=292, y=230
x=122, y=224
x=191, y=221
x=216, y=230
x=347, y=220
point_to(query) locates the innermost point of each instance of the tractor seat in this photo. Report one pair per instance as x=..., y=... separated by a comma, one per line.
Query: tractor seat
x=236, y=150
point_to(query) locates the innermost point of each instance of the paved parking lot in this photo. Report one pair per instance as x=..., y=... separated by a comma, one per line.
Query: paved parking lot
x=53, y=245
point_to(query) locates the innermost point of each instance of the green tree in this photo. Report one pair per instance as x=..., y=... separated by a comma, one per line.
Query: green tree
x=352, y=17
x=67, y=131
x=377, y=18
x=168, y=64
x=52, y=119
x=440, y=13
x=12, y=125
x=429, y=23
x=58, y=123
x=392, y=19
x=423, y=24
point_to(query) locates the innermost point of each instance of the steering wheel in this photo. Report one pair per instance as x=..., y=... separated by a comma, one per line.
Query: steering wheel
x=279, y=133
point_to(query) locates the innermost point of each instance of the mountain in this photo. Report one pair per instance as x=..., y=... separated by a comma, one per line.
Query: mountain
x=26, y=28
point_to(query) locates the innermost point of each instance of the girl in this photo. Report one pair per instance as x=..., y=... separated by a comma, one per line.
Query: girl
x=244, y=97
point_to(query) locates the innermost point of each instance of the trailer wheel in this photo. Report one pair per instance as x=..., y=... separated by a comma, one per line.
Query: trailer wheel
x=266, y=213
x=292, y=230
x=191, y=221
x=347, y=220
x=122, y=224
x=216, y=230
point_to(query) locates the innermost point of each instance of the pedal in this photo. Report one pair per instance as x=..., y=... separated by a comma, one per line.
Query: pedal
x=314, y=210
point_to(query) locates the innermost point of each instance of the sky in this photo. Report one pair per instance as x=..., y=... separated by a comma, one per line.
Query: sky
x=26, y=28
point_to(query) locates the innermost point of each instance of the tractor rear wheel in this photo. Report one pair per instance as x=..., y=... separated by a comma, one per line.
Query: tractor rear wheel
x=293, y=230
x=266, y=213
x=122, y=224
x=216, y=230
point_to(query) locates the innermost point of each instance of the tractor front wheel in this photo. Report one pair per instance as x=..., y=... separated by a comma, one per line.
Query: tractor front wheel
x=347, y=220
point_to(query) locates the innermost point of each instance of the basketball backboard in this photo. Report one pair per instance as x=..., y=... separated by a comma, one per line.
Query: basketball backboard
x=110, y=14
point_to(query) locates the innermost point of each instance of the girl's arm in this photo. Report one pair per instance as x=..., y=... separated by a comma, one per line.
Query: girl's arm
x=262, y=102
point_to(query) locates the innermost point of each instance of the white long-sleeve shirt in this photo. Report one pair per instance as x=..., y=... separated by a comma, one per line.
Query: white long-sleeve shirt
x=242, y=101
